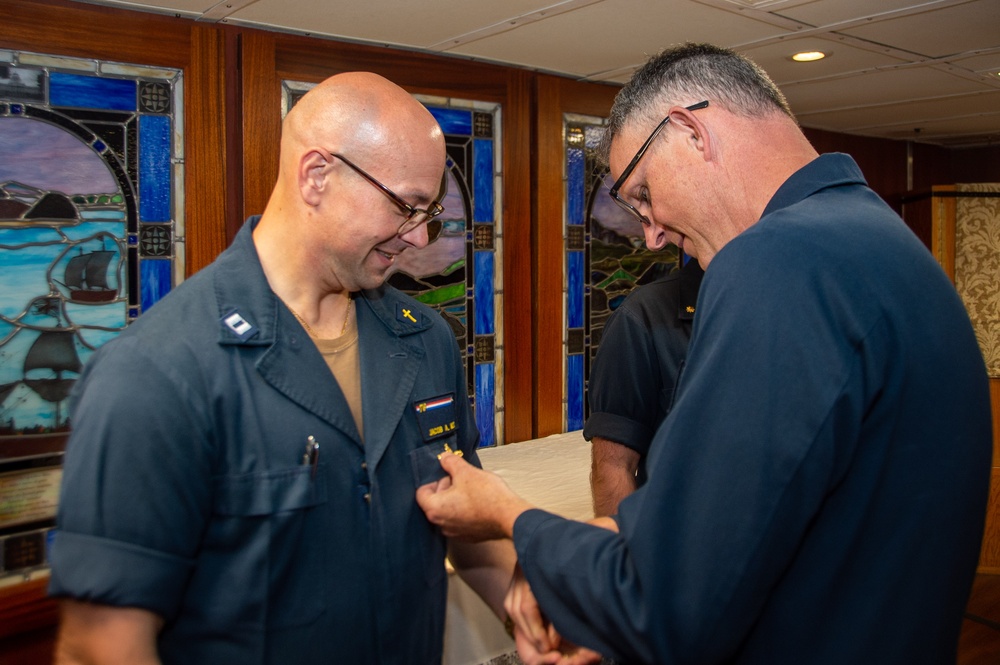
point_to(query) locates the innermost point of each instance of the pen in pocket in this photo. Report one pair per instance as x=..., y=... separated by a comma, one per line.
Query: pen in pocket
x=311, y=456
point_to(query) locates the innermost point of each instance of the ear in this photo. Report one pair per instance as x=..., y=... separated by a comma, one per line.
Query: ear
x=312, y=177
x=693, y=131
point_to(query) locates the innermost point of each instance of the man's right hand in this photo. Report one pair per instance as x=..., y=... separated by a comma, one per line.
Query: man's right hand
x=538, y=642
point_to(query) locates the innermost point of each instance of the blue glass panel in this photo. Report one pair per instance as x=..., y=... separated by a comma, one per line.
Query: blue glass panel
x=485, y=404
x=156, y=281
x=574, y=392
x=91, y=92
x=154, y=168
x=484, y=293
x=574, y=186
x=50, y=537
x=483, y=180
x=453, y=121
x=574, y=285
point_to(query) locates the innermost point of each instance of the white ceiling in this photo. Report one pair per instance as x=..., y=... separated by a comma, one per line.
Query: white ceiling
x=901, y=69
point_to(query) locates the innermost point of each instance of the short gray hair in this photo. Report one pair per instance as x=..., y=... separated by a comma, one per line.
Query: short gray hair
x=688, y=74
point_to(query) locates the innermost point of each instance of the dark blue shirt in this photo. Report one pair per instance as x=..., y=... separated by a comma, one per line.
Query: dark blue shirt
x=185, y=491
x=827, y=504
x=631, y=385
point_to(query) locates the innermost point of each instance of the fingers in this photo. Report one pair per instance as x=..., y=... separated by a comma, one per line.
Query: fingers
x=530, y=655
x=579, y=656
x=522, y=607
x=426, y=494
x=453, y=463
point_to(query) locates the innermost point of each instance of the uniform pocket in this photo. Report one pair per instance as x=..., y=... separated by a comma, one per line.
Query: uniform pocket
x=265, y=493
x=273, y=522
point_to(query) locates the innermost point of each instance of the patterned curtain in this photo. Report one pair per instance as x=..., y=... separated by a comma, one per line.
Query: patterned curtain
x=977, y=266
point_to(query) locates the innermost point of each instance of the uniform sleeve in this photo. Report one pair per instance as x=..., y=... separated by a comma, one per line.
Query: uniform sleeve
x=135, y=489
x=769, y=390
x=624, y=386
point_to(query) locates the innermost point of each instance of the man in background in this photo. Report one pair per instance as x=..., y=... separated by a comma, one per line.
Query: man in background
x=634, y=375
x=827, y=503
x=239, y=484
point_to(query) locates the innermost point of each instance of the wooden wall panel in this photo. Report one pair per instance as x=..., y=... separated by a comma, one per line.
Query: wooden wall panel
x=88, y=31
x=883, y=163
x=261, y=119
x=548, y=256
x=21, y=610
x=980, y=164
x=207, y=207
x=518, y=309
x=931, y=166
x=27, y=624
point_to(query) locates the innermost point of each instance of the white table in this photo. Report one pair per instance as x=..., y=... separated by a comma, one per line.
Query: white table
x=552, y=473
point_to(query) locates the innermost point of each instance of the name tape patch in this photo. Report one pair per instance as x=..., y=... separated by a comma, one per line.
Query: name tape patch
x=435, y=416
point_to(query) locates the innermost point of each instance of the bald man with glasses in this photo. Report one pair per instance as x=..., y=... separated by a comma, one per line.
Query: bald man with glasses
x=239, y=484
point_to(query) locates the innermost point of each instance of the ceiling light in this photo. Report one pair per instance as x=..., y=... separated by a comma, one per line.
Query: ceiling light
x=808, y=56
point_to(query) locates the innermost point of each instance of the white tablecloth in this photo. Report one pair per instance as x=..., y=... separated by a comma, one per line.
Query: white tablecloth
x=552, y=473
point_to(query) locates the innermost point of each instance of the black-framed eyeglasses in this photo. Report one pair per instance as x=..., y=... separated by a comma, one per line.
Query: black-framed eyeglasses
x=635, y=160
x=414, y=216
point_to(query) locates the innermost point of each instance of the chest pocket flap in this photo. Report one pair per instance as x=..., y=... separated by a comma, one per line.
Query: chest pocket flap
x=269, y=492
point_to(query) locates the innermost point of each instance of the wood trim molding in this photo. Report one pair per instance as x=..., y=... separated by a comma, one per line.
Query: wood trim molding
x=89, y=31
x=205, y=149
x=261, y=100
x=943, y=229
x=518, y=267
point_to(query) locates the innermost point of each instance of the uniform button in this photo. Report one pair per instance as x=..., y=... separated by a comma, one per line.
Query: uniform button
x=368, y=497
x=364, y=466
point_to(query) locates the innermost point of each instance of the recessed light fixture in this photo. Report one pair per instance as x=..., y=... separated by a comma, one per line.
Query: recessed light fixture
x=808, y=56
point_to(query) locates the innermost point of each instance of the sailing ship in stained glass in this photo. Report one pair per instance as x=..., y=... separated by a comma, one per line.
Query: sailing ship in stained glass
x=87, y=177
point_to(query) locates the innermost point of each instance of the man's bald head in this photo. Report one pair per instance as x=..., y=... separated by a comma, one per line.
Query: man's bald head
x=361, y=114
x=322, y=213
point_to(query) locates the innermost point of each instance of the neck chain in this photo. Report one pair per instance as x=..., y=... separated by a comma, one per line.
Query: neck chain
x=343, y=329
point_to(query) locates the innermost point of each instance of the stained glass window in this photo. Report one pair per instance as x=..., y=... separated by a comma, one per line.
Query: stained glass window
x=91, y=235
x=460, y=274
x=606, y=257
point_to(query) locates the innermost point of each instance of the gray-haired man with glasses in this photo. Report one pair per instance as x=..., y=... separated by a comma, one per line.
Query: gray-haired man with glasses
x=822, y=496
x=248, y=497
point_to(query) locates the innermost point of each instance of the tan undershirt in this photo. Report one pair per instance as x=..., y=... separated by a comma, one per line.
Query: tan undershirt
x=344, y=360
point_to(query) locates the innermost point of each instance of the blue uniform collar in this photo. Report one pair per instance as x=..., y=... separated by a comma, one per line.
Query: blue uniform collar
x=828, y=170
x=249, y=310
